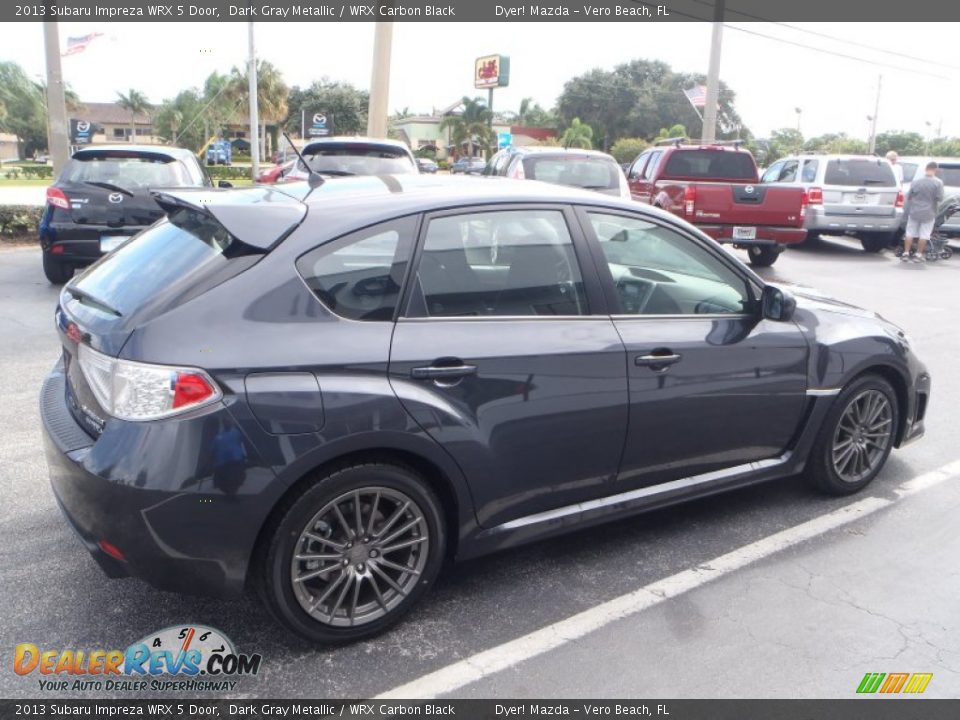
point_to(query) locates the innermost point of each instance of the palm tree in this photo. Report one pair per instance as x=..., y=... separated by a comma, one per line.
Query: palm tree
x=578, y=135
x=526, y=105
x=272, y=94
x=137, y=104
x=471, y=126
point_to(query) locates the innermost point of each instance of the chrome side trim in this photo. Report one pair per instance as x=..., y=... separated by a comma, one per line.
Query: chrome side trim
x=632, y=496
x=823, y=392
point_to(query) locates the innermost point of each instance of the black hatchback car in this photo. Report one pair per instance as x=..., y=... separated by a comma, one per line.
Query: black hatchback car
x=102, y=198
x=325, y=395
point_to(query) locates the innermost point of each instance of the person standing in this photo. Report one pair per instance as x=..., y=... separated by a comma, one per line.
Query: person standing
x=924, y=198
x=897, y=167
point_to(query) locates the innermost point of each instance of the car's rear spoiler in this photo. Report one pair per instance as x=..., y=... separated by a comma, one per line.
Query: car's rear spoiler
x=259, y=216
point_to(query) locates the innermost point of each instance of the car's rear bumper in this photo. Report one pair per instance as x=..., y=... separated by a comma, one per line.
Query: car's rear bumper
x=79, y=244
x=827, y=222
x=150, y=492
x=765, y=235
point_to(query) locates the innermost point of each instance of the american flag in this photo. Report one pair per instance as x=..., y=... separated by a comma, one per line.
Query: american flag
x=79, y=44
x=697, y=95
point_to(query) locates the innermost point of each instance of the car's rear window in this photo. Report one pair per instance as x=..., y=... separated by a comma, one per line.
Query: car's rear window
x=593, y=173
x=357, y=159
x=909, y=170
x=859, y=172
x=177, y=252
x=131, y=172
x=950, y=174
x=711, y=164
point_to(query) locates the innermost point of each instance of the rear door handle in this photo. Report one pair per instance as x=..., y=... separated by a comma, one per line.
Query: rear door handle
x=443, y=372
x=658, y=359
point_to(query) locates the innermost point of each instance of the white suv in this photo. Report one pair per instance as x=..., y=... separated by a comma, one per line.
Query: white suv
x=846, y=194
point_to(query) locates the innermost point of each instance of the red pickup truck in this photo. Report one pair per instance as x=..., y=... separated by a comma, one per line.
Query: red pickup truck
x=717, y=188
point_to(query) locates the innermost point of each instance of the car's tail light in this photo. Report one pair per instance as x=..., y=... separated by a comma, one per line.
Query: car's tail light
x=139, y=391
x=57, y=249
x=899, y=199
x=689, y=200
x=815, y=196
x=56, y=197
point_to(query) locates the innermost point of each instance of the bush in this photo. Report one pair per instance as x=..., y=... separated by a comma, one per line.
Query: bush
x=626, y=150
x=18, y=219
x=37, y=171
x=228, y=172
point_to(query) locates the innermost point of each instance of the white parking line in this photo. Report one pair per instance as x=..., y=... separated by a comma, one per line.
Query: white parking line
x=475, y=667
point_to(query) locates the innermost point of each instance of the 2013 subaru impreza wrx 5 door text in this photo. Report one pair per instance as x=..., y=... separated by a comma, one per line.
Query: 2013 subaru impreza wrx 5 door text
x=326, y=394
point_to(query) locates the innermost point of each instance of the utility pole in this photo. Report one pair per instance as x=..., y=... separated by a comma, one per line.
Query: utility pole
x=873, y=122
x=254, y=110
x=380, y=80
x=713, y=75
x=58, y=132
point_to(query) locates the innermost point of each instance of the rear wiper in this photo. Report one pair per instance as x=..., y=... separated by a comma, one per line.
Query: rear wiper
x=108, y=186
x=88, y=299
x=595, y=187
x=875, y=182
x=334, y=173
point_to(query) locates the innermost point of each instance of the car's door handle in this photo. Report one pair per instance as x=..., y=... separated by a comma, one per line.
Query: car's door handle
x=658, y=359
x=443, y=372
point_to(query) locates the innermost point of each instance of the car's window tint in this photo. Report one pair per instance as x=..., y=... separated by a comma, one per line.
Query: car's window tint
x=950, y=175
x=638, y=165
x=652, y=164
x=359, y=276
x=658, y=271
x=810, y=168
x=357, y=159
x=859, y=172
x=789, y=171
x=511, y=262
x=772, y=173
x=711, y=164
x=128, y=172
x=592, y=173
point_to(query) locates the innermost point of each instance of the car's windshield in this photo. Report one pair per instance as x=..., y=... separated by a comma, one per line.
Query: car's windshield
x=859, y=172
x=357, y=159
x=130, y=172
x=594, y=173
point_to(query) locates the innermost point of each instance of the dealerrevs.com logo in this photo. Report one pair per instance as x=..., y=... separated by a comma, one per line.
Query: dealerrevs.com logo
x=177, y=659
x=894, y=683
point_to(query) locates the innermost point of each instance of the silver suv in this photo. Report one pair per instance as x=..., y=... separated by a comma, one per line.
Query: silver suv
x=846, y=194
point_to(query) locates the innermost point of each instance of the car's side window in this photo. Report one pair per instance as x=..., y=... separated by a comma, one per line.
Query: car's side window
x=659, y=271
x=498, y=263
x=637, y=169
x=772, y=173
x=652, y=164
x=809, y=173
x=789, y=171
x=359, y=276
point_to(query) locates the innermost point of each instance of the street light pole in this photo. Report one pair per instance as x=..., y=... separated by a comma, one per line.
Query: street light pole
x=58, y=134
x=254, y=109
x=873, y=124
x=713, y=75
x=380, y=80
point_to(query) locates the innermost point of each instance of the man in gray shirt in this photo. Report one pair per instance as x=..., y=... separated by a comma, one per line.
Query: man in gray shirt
x=924, y=198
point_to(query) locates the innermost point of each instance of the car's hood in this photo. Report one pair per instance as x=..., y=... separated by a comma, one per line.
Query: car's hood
x=817, y=301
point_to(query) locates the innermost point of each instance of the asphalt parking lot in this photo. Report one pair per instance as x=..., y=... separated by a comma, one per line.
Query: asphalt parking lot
x=877, y=592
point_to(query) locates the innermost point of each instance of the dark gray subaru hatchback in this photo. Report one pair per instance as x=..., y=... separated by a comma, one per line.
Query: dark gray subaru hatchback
x=324, y=395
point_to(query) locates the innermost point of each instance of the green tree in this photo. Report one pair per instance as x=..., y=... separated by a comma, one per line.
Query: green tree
x=784, y=141
x=839, y=143
x=136, y=103
x=25, y=109
x=347, y=104
x=472, y=126
x=945, y=147
x=180, y=121
x=272, y=98
x=626, y=150
x=578, y=135
x=674, y=131
x=904, y=142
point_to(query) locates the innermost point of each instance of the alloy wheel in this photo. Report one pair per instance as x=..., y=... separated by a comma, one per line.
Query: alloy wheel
x=360, y=556
x=862, y=436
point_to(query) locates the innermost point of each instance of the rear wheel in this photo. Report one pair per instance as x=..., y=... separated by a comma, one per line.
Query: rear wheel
x=348, y=557
x=763, y=255
x=57, y=272
x=856, y=438
x=875, y=242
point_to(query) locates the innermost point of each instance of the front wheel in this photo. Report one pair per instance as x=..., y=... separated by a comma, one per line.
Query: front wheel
x=856, y=438
x=353, y=553
x=763, y=255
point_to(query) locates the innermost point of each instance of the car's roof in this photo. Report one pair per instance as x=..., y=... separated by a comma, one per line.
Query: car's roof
x=547, y=150
x=832, y=156
x=170, y=150
x=358, y=140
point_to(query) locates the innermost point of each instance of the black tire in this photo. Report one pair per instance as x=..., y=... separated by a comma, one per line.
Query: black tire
x=763, y=255
x=57, y=272
x=299, y=514
x=821, y=471
x=812, y=237
x=874, y=243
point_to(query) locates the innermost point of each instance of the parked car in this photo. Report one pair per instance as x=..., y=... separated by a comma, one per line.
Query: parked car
x=276, y=173
x=585, y=169
x=219, y=152
x=427, y=165
x=854, y=195
x=327, y=395
x=949, y=173
x=716, y=187
x=468, y=166
x=343, y=156
x=102, y=197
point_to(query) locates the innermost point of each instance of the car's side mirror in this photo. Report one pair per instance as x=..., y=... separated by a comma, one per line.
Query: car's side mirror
x=224, y=184
x=777, y=304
